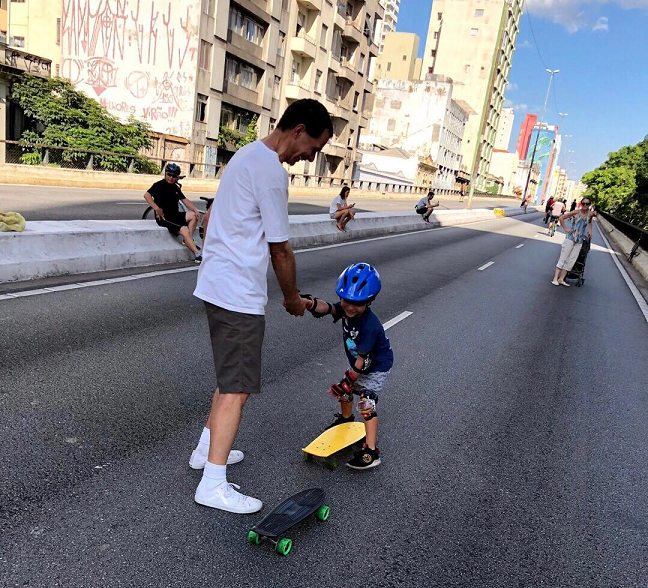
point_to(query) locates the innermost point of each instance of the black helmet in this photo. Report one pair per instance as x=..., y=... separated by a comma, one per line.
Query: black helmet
x=173, y=169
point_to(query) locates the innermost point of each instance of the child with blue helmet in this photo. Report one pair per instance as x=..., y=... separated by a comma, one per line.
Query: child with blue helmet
x=368, y=351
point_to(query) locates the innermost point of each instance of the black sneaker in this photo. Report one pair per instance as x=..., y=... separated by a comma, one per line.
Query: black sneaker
x=198, y=258
x=365, y=459
x=339, y=420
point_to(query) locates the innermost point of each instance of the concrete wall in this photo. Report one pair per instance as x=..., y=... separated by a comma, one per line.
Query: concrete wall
x=124, y=56
x=625, y=245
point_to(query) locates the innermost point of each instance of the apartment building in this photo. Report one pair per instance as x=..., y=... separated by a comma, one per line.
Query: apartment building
x=504, y=129
x=421, y=118
x=392, y=8
x=399, y=58
x=472, y=42
x=4, y=21
x=329, y=50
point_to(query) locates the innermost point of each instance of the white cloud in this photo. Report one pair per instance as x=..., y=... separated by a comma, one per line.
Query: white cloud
x=524, y=45
x=520, y=107
x=575, y=15
x=511, y=87
x=601, y=24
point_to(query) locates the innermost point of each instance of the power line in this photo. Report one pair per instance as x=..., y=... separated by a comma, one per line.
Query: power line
x=534, y=40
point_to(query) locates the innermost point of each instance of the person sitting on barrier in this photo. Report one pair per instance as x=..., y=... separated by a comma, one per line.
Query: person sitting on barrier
x=340, y=211
x=426, y=207
x=367, y=349
x=163, y=197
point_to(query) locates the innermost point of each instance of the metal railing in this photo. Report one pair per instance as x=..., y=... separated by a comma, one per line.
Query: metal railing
x=636, y=234
x=57, y=156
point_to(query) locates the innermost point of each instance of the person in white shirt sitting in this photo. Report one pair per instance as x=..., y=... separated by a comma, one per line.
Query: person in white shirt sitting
x=340, y=211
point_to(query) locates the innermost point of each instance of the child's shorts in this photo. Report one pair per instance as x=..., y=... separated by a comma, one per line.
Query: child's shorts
x=370, y=384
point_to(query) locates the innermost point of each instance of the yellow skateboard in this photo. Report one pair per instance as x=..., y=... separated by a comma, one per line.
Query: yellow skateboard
x=333, y=440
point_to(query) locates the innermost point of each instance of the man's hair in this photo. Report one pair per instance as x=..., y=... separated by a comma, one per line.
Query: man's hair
x=430, y=193
x=310, y=113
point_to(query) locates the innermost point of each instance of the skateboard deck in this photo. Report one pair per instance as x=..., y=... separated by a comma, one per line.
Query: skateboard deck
x=333, y=440
x=290, y=512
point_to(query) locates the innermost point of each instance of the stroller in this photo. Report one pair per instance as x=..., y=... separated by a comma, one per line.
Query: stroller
x=578, y=271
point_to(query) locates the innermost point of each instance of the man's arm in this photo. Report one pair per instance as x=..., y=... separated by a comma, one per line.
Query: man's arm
x=156, y=209
x=285, y=268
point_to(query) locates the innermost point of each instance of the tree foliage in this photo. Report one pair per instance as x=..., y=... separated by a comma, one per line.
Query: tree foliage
x=620, y=185
x=61, y=116
x=230, y=137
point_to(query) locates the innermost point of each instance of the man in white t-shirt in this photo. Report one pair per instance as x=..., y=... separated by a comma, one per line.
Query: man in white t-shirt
x=248, y=229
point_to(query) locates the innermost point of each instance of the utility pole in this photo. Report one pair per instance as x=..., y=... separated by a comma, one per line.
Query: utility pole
x=552, y=73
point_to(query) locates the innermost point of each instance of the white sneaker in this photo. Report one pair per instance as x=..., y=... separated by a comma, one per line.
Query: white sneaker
x=564, y=284
x=226, y=497
x=198, y=460
x=554, y=282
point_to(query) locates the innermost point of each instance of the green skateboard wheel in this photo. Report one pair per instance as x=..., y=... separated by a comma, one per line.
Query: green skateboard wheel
x=284, y=546
x=331, y=463
x=307, y=456
x=323, y=512
x=254, y=538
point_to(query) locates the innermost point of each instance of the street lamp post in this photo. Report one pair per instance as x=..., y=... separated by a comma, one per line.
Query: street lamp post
x=552, y=73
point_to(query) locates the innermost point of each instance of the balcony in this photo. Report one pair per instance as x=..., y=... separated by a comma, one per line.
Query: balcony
x=347, y=71
x=335, y=149
x=303, y=45
x=334, y=62
x=351, y=31
x=297, y=91
x=311, y=4
x=341, y=111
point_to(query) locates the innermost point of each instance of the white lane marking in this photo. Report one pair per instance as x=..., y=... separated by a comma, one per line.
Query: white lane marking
x=192, y=269
x=483, y=267
x=643, y=306
x=396, y=319
x=519, y=246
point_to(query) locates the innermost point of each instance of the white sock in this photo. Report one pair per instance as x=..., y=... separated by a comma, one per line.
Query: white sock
x=203, y=443
x=214, y=474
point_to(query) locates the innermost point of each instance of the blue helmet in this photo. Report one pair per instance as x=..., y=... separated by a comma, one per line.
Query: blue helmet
x=173, y=169
x=358, y=283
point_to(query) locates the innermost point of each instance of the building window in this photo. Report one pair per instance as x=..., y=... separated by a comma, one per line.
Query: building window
x=301, y=21
x=246, y=27
x=361, y=63
x=318, y=78
x=479, y=12
x=204, y=61
x=404, y=57
x=18, y=41
x=58, y=31
x=276, y=89
x=432, y=52
x=336, y=46
x=430, y=70
x=439, y=15
x=473, y=32
x=295, y=71
x=356, y=99
x=324, y=36
x=58, y=70
x=243, y=74
x=282, y=43
x=436, y=34
x=391, y=124
x=466, y=69
x=208, y=7
x=389, y=66
x=3, y=6
x=231, y=70
x=3, y=36
x=201, y=108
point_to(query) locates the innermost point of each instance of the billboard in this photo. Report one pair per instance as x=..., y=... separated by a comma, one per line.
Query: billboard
x=135, y=57
x=544, y=155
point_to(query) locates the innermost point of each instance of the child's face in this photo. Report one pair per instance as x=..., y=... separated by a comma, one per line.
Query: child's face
x=352, y=310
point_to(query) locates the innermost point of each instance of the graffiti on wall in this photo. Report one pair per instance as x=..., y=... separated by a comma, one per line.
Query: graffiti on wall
x=135, y=57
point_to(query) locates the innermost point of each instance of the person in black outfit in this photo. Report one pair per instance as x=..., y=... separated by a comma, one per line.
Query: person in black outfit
x=573, y=205
x=163, y=196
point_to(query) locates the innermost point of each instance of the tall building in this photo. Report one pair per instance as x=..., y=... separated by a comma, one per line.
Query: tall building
x=392, y=7
x=398, y=60
x=424, y=119
x=33, y=26
x=472, y=42
x=504, y=128
x=524, y=137
x=543, y=149
x=330, y=50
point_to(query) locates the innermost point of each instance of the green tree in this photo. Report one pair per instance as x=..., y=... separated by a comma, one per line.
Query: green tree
x=61, y=116
x=620, y=185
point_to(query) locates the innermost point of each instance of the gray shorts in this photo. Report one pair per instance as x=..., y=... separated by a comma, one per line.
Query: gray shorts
x=370, y=384
x=236, y=340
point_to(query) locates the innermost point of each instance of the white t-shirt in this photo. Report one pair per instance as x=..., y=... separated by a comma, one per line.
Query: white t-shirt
x=337, y=200
x=557, y=209
x=250, y=210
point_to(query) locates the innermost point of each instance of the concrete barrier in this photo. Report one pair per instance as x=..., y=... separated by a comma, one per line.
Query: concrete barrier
x=625, y=245
x=49, y=248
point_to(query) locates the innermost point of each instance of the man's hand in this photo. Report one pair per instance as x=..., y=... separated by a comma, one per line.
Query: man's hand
x=159, y=213
x=297, y=305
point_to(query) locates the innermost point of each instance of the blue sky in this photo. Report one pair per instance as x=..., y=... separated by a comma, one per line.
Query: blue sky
x=601, y=50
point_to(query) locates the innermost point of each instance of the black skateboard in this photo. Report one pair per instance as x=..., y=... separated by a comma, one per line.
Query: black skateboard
x=290, y=512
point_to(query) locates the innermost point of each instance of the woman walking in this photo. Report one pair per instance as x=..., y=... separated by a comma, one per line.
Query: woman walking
x=581, y=230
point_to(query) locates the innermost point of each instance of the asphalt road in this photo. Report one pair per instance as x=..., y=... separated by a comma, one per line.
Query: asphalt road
x=514, y=428
x=56, y=203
